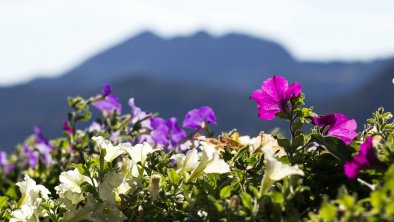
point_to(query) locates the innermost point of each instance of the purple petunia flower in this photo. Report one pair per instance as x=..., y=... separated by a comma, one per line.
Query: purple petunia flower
x=31, y=154
x=110, y=101
x=4, y=163
x=198, y=118
x=365, y=159
x=166, y=133
x=274, y=96
x=138, y=114
x=42, y=148
x=3, y=158
x=95, y=126
x=175, y=133
x=337, y=125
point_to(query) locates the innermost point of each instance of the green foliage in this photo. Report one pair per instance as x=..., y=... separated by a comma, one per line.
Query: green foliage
x=218, y=178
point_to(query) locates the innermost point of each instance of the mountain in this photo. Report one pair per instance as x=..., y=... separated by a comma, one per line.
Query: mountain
x=378, y=92
x=235, y=61
x=169, y=99
x=172, y=76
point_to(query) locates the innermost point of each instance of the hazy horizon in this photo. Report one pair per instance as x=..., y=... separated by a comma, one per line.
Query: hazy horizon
x=46, y=38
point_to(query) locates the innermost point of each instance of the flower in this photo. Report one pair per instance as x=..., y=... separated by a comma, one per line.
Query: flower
x=42, y=147
x=109, y=102
x=210, y=162
x=199, y=118
x=154, y=187
x=337, y=125
x=276, y=171
x=111, y=151
x=113, y=186
x=274, y=96
x=138, y=114
x=31, y=154
x=67, y=128
x=4, y=163
x=137, y=153
x=69, y=189
x=29, y=204
x=95, y=126
x=166, y=133
x=186, y=162
x=262, y=142
x=365, y=159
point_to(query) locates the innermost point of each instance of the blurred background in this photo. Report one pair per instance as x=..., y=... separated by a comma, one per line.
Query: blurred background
x=176, y=55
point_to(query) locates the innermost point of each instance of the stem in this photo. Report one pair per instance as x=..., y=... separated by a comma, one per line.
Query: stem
x=255, y=207
x=207, y=131
x=370, y=186
x=289, y=151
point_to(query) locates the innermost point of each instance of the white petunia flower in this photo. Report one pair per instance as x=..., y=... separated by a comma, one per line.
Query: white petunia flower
x=276, y=171
x=186, y=162
x=27, y=212
x=210, y=162
x=261, y=143
x=69, y=189
x=31, y=191
x=94, y=211
x=138, y=153
x=114, y=184
x=29, y=204
x=111, y=151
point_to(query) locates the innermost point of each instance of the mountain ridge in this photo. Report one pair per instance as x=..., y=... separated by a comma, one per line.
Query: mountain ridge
x=174, y=75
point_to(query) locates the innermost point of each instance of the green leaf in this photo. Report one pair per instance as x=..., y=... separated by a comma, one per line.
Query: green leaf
x=298, y=141
x=12, y=192
x=173, y=176
x=3, y=202
x=246, y=200
x=327, y=211
x=277, y=197
x=225, y=192
x=285, y=143
x=335, y=146
x=80, y=168
x=83, y=116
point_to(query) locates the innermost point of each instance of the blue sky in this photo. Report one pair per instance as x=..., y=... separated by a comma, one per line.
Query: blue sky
x=47, y=37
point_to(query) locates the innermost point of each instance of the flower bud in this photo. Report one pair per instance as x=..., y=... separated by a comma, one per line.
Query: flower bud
x=154, y=187
x=234, y=204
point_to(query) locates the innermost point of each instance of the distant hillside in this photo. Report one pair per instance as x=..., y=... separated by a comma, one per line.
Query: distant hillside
x=234, y=61
x=233, y=110
x=172, y=76
x=376, y=93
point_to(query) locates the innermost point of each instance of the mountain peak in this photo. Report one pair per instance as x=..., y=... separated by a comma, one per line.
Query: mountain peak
x=201, y=35
x=146, y=35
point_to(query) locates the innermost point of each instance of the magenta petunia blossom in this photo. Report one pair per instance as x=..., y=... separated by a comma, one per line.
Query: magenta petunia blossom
x=109, y=103
x=337, y=125
x=67, y=128
x=197, y=118
x=274, y=96
x=365, y=159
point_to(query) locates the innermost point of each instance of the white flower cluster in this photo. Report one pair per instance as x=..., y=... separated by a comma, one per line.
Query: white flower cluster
x=103, y=205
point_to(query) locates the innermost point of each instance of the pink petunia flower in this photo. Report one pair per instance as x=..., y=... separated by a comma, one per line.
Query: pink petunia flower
x=365, y=159
x=274, y=96
x=337, y=125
